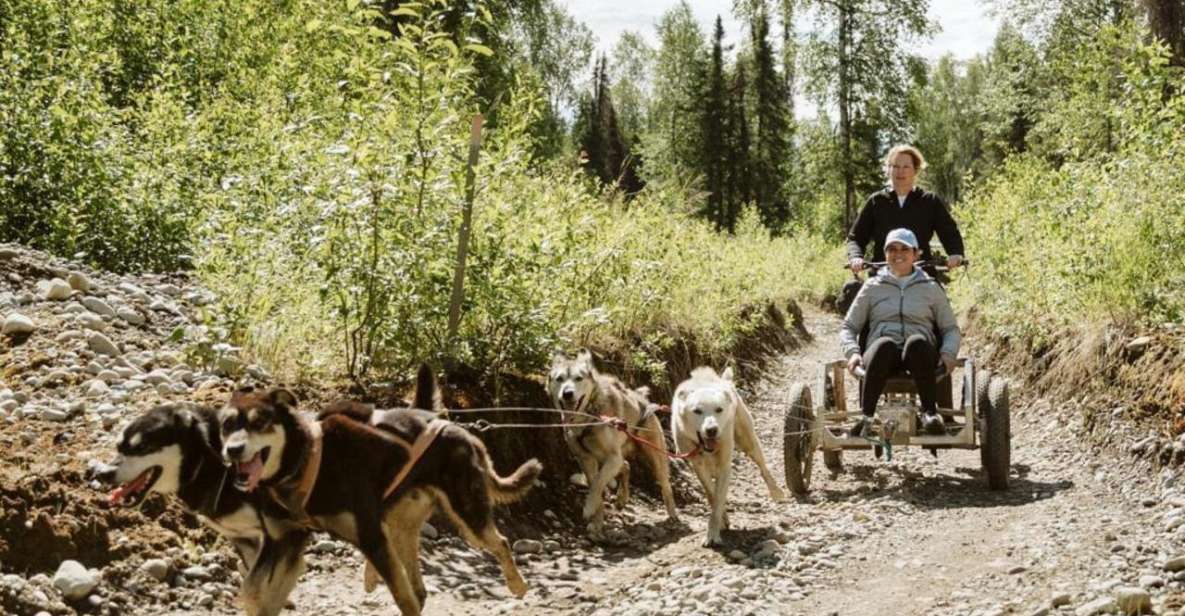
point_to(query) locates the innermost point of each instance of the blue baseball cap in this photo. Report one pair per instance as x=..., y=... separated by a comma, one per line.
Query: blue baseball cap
x=902, y=236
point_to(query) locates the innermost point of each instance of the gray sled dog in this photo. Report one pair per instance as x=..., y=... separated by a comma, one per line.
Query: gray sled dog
x=575, y=385
x=709, y=418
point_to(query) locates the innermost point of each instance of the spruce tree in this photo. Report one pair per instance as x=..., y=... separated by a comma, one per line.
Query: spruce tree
x=739, y=182
x=772, y=147
x=714, y=155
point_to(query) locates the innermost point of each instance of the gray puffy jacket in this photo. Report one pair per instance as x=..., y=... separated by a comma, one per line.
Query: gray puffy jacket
x=899, y=309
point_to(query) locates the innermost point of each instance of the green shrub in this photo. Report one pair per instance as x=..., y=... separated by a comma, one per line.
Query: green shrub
x=1100, y=239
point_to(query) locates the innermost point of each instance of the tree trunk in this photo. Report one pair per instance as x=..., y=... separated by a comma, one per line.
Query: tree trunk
x=1166, y=19
x=845, y=113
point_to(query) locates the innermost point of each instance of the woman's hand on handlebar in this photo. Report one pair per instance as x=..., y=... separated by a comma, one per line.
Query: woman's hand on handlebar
x=856, y=264
x=948, y=362
x=855, y=361
x=953, y=261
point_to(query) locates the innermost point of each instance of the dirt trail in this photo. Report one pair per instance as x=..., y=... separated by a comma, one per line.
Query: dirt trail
x=911, y=536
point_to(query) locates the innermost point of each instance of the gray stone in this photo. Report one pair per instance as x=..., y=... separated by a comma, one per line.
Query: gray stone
x=130, y=315
x=229, y=365
x=156, y=568
x=196, y=572
x=134, y=291
x=1059, y=599
x=1175, y=564
x=1138, y=345
x=17, y=323
x=157, y=377
x=1102, y=605
x=74, y=580
x=429, y=531
x=1151, y=581
x=54, y=415
x=54, y=290
x=324, y=546
x=98, y=306
x=527, y=546
x=90, y=320
x=97, y=389
x=1133, y=601
x=79, y=281
x=102, y=344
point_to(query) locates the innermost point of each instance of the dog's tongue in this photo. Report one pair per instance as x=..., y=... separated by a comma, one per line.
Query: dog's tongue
x=710, y=443
x=253, y=469
x=118, y=495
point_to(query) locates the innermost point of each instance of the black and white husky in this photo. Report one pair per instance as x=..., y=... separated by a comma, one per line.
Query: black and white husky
x=176, y=449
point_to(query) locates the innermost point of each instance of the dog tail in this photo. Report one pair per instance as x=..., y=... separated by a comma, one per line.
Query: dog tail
x=505, y=490
x=427, y=397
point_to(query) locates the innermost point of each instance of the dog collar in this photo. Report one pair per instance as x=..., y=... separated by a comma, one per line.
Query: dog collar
x=298, y=499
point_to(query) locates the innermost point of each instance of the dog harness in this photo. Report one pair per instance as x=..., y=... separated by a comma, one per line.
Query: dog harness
x=416, y=452
x=298, y=498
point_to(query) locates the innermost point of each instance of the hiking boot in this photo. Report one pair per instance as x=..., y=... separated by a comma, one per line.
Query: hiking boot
x=933, y=424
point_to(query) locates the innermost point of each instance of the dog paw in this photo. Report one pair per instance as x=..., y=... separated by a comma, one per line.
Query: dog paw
x=711, y=542
x=778, y=496
x=518, y=588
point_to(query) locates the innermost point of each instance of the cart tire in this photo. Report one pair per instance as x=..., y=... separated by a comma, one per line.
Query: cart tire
x=996, y=447
x=983, y=406
x=798, y=449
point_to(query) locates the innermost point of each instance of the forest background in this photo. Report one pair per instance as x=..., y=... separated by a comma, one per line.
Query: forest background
x=308, y=162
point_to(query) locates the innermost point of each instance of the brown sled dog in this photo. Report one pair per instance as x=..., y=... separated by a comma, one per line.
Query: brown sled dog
x=574, y=384
x=335, y=475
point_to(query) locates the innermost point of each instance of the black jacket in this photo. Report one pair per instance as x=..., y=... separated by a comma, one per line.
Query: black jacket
x=924, y=214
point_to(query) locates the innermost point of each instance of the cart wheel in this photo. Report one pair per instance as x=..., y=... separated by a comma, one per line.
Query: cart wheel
x=995, y=445
x=798, y=439
x=983, y=406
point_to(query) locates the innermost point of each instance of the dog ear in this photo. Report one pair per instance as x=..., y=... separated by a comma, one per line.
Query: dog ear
x=558, y=356
x=681, y=395
x=427, y=396
x=584, y=355
x=643, y=391
x=728, y=395
x=282, y=398
x=727, y=374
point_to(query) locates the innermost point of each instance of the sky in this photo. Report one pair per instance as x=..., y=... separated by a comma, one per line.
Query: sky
x=967, y=29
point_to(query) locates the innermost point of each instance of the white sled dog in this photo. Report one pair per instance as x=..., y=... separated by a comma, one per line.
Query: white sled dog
x=709, y=418
x=575, y=385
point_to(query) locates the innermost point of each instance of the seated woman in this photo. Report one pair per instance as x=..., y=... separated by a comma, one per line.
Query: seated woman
x=902, y=306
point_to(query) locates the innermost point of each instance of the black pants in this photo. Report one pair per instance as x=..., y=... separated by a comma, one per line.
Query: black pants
x=883, y=357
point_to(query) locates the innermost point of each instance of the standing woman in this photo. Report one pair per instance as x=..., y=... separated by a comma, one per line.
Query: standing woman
x=904, y=205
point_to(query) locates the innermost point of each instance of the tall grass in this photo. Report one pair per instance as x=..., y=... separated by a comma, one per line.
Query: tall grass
x=1099, y=239
x=310, y=168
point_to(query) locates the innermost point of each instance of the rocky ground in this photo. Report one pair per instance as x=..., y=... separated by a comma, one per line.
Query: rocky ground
x=1080, y=531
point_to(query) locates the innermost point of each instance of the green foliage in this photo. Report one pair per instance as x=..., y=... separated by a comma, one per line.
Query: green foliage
x=1100, y=238
x=772, y=153
x=672, y=148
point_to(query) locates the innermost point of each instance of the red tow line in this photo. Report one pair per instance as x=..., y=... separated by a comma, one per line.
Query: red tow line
x=621, y=425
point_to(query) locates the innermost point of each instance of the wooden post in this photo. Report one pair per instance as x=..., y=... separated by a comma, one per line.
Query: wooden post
x=454, y=308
